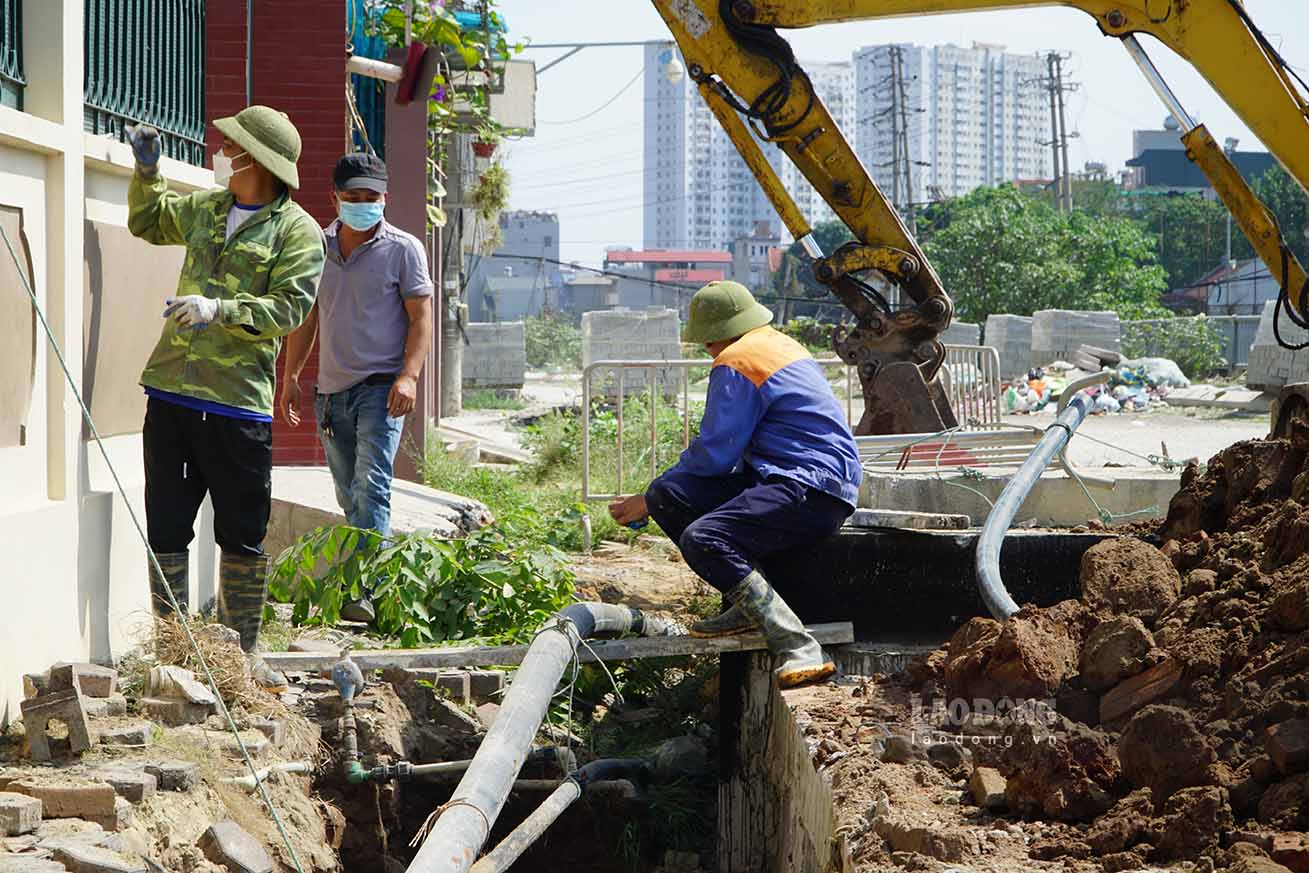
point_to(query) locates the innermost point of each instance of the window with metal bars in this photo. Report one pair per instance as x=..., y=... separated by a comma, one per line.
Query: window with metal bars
x=11, y=53
x=145, y=63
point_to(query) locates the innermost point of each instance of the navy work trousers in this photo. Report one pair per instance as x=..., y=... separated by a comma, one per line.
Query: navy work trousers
x=725, y=524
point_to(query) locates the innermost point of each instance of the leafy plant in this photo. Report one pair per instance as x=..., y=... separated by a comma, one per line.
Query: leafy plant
x=491, y=193
x=1194, y=344
x=553, y=341
x=492, y=399
x=813, y=334
x=493, y=584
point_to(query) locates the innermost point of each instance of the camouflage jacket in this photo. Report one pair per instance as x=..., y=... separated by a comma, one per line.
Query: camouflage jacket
x=265, y=278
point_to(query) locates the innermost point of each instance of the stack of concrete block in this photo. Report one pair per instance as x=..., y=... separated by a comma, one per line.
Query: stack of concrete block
x=652, y=334
x=1011, y=337
x=960, y=333
x=1057, y=333
x=1272, y=366
x=496, y=355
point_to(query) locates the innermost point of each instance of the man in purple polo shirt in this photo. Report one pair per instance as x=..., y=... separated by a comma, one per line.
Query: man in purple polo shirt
x=373, y=318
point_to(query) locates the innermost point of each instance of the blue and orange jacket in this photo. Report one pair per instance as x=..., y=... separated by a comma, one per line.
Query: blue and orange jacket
x=771, y=408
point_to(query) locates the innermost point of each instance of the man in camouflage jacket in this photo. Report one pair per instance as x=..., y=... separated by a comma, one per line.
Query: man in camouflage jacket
x=252, y=267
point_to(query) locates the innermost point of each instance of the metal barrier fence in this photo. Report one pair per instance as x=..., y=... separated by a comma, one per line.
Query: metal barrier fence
x=145, y=63
x=973, y=387
x=654, y=392
x=11, y=54
x=1238, y=333
x=973, y=390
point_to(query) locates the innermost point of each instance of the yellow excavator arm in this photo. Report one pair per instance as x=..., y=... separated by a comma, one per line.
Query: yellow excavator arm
x=748, y=75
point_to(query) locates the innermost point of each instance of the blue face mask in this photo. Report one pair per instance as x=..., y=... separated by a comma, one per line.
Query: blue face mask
x=361, y=216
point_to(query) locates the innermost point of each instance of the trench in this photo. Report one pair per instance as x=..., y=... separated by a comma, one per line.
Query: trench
x=905, y=591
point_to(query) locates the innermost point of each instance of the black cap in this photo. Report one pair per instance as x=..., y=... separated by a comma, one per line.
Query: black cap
x=360, y=171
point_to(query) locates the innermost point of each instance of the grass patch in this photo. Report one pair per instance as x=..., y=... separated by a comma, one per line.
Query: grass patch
x=493, y=399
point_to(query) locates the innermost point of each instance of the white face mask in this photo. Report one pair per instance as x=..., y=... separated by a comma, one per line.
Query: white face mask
x=223, y=171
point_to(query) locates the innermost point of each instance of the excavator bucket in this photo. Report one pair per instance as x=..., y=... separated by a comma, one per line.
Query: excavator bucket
x=897, y=399
x=1290, y=407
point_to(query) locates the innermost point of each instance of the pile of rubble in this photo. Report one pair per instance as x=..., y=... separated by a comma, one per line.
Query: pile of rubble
x=1134, y=385
x=1163, y=717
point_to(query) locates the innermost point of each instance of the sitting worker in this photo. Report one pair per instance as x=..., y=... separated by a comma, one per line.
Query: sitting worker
x=774, y=468
x=252, y=267
x=374, y=318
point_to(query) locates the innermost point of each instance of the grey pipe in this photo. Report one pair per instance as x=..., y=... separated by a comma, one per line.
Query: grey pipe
x=462, y=827
x=522, y=837
x=989, y=584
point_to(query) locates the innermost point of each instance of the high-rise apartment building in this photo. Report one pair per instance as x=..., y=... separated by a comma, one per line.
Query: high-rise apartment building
x=957, y=118
x=699, y=194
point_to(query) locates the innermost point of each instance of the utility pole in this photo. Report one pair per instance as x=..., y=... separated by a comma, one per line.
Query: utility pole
x=1056, y=86
x=903, y=118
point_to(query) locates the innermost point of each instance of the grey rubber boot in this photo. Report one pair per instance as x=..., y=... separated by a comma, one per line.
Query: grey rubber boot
x=801, y=655
x=175, y=579
x=729, y=623
x=242, y=587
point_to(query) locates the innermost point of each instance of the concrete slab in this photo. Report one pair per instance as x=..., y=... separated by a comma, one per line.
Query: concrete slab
x=1055, y=501
x=1213, y=397
x=305, y=498
x=908, y=520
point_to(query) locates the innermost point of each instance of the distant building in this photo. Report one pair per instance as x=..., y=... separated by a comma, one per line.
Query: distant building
x=1242, y=291
x=1159, y=162
x=587, y=292
x=530, y=250
x=665, y=278
x=973, y=116
x=507, y=298
x=756, y=257
x=699, y=194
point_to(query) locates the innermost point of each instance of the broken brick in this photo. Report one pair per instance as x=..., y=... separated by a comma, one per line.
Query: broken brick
x=95, y=859
x=69, y=798
x=132, y=786
x=65, y=706
x=91, y=679
x=138, y=734
x=119, y=820
x=105, y=707
x=987, y=786
x=227, y=843
x=175, y=775
x=19, y=814
x=175, y=712
x=486, y=684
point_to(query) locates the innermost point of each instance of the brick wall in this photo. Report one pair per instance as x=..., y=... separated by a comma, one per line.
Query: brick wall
x=299, y=68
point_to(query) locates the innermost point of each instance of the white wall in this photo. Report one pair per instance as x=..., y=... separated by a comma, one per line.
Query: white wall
x=73, y=582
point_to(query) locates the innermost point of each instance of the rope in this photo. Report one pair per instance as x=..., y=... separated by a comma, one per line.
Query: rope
x=154, y=561
x=430, y=821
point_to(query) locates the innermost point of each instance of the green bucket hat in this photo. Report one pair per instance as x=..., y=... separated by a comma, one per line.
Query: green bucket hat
x=721, y=311
x=269, y=137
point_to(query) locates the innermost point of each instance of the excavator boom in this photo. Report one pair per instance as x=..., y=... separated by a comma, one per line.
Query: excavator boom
x=749, y=76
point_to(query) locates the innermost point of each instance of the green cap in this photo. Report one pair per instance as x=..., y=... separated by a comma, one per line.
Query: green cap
x=269, y=137
x=722, y=311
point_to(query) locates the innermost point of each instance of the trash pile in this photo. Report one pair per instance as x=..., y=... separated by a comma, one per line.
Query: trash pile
x=1180, y=722
x=1137, y=385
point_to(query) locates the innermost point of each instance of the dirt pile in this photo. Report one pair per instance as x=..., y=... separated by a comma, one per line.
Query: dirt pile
x=1177, y=700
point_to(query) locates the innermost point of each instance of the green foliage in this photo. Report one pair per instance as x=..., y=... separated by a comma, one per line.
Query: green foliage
x=1291, y=206
x=553, y=341
x=491, y=399
x=491, y=193
x=1194, y=344
x=1000, y=251
x=499, y=583
x=796, y=279
x=813, y=334
x=1190, y=233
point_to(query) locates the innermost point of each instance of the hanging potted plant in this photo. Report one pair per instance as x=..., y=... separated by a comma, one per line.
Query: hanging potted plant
x=491, y=193
x=485, y=141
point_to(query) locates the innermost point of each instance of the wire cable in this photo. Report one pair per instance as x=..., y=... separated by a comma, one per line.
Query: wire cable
x=603, y=106
x=154, y=560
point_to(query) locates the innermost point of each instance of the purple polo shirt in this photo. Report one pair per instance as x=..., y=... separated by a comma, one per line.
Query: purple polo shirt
x=362, y=322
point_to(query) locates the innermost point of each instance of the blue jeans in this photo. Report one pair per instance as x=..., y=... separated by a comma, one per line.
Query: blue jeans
x=724, y=525
x=360, y=440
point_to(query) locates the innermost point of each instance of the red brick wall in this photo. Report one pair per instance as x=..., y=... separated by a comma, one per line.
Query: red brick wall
x=299, y=68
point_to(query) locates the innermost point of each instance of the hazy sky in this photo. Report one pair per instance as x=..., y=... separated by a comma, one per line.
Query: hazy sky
x=558, y=168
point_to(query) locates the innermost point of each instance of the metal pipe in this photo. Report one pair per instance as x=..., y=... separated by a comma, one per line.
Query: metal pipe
x=462, y=826
x=1179, y=113
x=989, y=583
x=522, y=837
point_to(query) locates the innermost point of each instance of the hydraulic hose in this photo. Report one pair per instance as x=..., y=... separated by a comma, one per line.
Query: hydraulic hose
x=989, y=583
x=522, y=837
x=461, y=827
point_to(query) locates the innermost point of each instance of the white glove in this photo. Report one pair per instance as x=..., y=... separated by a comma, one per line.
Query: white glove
x=193, y=310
